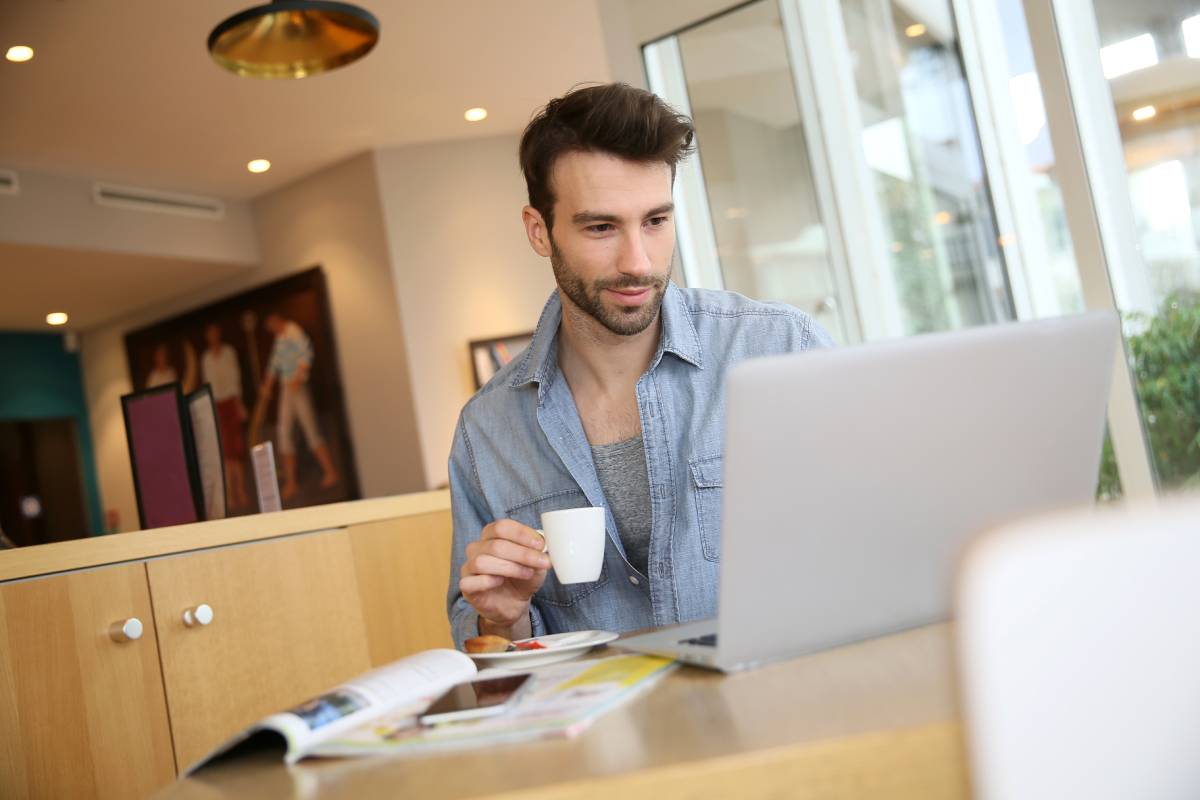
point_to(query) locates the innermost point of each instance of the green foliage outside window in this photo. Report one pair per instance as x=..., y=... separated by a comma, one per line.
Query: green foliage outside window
x=1166, y=360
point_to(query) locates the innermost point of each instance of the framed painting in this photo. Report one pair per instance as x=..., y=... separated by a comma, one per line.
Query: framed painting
x=489, y=355
x=270, y=361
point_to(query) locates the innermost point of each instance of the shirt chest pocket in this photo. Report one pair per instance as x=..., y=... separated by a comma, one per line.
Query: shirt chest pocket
x=529, y=512
x=707, y=490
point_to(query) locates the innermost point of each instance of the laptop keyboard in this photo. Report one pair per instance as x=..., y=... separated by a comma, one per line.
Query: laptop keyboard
x=707, y=640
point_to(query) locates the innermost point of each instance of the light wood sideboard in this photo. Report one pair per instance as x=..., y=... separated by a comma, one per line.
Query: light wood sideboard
x=299, y=600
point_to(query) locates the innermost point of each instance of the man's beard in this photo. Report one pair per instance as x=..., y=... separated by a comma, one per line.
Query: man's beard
x=622, y=320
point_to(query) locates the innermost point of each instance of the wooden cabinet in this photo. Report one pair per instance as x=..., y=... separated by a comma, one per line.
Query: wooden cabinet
x=402, y=567
x=287, y=624
x=293, y=614
x=81, y=715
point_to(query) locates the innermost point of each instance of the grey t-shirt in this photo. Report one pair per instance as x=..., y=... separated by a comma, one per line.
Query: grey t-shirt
x=621, y=468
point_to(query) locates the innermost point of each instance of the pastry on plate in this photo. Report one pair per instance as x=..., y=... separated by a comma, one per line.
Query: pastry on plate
x=488, y=644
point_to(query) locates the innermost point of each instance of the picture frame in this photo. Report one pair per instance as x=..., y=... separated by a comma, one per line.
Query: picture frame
x=488, y=356
x=165, y=481
x=270, y=358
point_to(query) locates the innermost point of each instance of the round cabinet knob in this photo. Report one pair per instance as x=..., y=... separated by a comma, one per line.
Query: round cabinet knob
x=126, y=630
x=198, y=615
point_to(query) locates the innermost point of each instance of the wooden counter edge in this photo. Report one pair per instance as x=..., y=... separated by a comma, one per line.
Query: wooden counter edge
x=927, y=762
x=47, y=559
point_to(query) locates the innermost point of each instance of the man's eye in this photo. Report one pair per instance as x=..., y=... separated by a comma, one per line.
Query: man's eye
x=658, y=221
x=603, y=227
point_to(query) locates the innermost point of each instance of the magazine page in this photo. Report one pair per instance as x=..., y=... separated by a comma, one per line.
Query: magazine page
x=563, y=701
x=415, y=680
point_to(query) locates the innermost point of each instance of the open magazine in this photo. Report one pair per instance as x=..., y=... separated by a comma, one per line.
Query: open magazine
x=563, y=700
x=377, y=711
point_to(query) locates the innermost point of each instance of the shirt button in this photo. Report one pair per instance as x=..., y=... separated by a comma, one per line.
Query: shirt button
x=633, y=579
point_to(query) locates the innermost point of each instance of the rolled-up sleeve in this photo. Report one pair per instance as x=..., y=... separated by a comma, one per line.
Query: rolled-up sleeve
x=470, y=513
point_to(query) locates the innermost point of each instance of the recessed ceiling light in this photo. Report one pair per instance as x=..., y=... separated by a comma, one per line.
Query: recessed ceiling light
x=914, y=30
x=1128, y=56
x=259, y=165
x=1144, y=113
x=1191, y=35
x=475, y=114
x=56, y=318
x=19, y=53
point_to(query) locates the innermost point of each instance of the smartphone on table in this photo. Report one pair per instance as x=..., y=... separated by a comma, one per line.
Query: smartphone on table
x=476, y=699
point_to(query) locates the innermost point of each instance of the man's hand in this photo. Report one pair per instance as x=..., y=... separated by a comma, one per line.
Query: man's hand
x=502, y=571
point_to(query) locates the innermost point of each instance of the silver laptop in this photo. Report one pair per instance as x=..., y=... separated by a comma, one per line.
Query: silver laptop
x=855, y=476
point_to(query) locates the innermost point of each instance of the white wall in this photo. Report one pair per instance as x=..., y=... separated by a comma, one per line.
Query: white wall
x=59, y=212
x=333, y=219
x=463, y=268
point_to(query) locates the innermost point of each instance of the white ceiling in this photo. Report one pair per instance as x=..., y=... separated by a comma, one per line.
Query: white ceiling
x=124, y=90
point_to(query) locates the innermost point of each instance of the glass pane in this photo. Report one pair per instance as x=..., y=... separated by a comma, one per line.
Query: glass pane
x=750, y=139
x=1057, y=289
x=920, y=141
x=1053, y=252
x=1150, y=52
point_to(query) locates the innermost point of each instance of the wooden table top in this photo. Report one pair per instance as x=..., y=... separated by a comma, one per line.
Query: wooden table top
x=874, y=719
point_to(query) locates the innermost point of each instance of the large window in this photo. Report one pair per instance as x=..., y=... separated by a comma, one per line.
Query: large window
x=919, y=141
x=901, y=166
x=874, y=217
x=1150, y=55
x=734, y=76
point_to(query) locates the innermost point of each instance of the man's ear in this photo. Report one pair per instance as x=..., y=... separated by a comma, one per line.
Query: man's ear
x=537, y=231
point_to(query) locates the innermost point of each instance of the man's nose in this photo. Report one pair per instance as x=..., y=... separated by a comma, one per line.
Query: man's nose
x=634, y=258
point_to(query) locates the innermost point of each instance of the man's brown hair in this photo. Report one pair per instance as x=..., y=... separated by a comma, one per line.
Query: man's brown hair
x=612, y=118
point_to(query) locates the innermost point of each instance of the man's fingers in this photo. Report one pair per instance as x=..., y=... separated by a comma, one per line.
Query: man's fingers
x=487, y=564
x=510, y=551
x=473, y=584
x=514, y=531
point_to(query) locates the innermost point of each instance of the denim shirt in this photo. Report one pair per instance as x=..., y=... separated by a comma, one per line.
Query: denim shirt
x=520, y=451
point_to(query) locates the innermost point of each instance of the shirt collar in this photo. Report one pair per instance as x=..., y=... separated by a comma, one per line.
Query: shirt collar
x=540, y=362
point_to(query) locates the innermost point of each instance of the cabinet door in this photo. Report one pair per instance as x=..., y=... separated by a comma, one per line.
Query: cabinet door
x=286, y=625
x=81, y=715
x=403, y=567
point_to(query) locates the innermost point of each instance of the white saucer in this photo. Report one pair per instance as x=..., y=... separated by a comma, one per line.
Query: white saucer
x=558, y=647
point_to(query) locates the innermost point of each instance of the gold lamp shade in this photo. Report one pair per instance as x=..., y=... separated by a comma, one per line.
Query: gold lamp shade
x=293, y=38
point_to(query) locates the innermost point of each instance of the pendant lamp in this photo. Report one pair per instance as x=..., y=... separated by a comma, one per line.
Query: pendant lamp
x=293, y=38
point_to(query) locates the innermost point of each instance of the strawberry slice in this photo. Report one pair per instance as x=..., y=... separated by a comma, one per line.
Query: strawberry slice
x=529, y=645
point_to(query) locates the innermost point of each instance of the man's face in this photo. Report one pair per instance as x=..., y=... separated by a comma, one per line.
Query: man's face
x=613, y=237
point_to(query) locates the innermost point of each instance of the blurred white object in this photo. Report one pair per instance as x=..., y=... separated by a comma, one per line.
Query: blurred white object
x=1079, y=653
x=266, y=479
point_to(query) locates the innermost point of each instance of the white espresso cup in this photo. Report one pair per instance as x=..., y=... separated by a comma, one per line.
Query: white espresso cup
x=575, y=543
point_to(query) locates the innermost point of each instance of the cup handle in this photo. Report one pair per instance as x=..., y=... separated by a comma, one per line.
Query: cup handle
x=545, y=544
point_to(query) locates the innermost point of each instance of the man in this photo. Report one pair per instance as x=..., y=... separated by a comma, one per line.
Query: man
x=223, y=373
x=617, y=402
x=291, y=364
